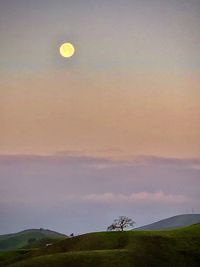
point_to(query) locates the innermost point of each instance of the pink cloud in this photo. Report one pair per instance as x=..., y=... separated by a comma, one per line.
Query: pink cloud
x=140, y=197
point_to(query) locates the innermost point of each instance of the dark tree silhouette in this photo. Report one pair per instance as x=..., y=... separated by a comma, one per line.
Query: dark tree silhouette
x=120, y=224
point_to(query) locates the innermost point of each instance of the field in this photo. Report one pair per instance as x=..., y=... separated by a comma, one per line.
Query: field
x=180, y=247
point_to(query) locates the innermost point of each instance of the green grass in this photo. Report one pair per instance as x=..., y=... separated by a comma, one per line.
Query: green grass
x=178, y=248
x=81, y=258
x=22, y=239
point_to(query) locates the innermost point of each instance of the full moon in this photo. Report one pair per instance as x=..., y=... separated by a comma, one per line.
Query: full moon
x=67, y=50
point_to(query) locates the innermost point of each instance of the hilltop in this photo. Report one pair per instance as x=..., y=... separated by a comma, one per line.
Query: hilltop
x=27, y=238
x=173, y=222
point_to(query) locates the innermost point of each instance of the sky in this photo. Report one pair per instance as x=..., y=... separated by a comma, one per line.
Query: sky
x=114, y=130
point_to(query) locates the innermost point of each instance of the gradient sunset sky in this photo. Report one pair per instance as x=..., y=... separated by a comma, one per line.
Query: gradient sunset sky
x=123, y=113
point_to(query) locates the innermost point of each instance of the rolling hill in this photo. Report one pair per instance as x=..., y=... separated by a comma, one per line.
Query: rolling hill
x=174, y=248
x=27, y=238
x=173, y=222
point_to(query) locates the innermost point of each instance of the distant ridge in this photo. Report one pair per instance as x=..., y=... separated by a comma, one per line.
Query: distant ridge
x=172, y=222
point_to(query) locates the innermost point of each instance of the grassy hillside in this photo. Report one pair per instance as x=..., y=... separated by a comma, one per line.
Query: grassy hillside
x=173, y=222
x=27, y=238
x=180, y=248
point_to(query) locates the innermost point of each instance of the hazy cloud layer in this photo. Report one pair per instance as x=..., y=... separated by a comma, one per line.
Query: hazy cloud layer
x=140, y=197
x=83, y=193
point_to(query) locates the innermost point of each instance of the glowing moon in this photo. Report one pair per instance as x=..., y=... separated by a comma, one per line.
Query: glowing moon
x=67, y=50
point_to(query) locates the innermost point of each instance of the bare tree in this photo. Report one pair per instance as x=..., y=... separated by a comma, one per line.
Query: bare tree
x=120, y=224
